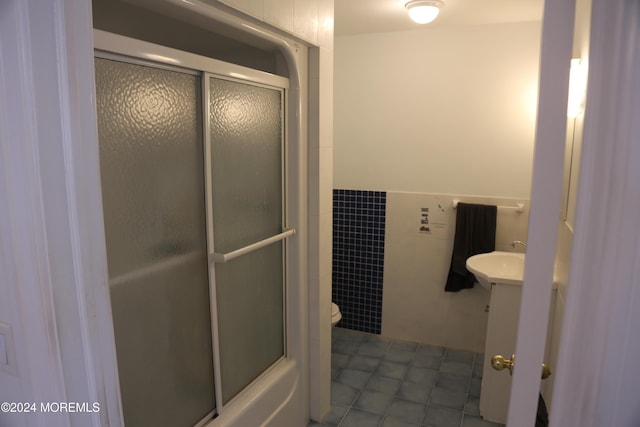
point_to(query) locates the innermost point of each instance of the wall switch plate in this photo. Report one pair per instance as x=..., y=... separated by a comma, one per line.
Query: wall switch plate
x=7, y=350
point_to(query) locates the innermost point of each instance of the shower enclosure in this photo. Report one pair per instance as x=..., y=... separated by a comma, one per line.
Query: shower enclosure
x=194, y=184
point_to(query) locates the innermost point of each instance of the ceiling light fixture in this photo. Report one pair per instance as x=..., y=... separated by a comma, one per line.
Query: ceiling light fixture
x=423, y=11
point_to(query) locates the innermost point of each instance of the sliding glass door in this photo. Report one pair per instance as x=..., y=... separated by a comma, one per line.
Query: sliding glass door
x=193, y=184
x=245, y=137
x=151, y=162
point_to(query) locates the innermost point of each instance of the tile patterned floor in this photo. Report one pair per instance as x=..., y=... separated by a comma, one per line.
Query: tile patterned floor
x=378, y=382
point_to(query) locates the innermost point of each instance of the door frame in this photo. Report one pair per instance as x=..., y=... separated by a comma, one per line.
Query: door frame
x=545, y=207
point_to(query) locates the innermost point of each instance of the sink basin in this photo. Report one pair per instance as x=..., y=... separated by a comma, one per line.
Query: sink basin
x=497, y=267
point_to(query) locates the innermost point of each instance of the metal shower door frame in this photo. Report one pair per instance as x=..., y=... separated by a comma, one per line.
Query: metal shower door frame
x=125, y=49
x=215, y=257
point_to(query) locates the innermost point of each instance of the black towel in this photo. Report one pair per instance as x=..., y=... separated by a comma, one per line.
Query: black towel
x=542, y=416
x=475, y=234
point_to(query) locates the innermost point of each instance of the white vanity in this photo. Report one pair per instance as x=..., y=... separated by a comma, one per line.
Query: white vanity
x=501, y=273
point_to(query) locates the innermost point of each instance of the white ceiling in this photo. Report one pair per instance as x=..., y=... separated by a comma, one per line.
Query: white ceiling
x=373, y=16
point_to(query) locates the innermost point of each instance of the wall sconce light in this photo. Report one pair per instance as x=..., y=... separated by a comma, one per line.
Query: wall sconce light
x=423, y=11
x=577, y=88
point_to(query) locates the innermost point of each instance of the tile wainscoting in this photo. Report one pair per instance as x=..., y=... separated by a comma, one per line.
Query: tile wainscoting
x=391, y=255
x=358, y=257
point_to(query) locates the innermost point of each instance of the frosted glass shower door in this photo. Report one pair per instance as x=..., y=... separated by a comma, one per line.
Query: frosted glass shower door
x=246, y=146
x=152, y=170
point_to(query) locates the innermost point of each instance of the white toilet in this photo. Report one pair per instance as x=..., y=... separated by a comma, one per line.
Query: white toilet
x=335, y=314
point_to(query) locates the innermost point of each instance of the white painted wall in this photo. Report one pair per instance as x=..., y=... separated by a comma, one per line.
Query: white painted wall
x=434, y=114
x=415, y=306
x=311, y=20
x=439, y=110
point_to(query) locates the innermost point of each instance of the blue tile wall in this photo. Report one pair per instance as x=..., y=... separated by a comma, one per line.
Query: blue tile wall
x=358, y=257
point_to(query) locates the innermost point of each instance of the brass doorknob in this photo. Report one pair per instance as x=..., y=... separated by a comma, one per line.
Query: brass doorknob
x=499, y=363
x=546, y=371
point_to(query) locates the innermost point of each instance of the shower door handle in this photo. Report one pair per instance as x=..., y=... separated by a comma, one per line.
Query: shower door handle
x=222, y=258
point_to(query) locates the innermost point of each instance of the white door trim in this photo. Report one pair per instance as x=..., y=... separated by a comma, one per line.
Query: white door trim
x=544, y=214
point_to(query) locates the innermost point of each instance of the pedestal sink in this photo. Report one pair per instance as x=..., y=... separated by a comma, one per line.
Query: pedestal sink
x=501, y=273
x=497, y=267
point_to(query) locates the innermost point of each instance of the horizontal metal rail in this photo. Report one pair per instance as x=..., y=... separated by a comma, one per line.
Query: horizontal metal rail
x=519, y=207
x=222, y=258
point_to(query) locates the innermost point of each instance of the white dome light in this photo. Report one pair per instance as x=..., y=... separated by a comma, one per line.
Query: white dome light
x=423, y=11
